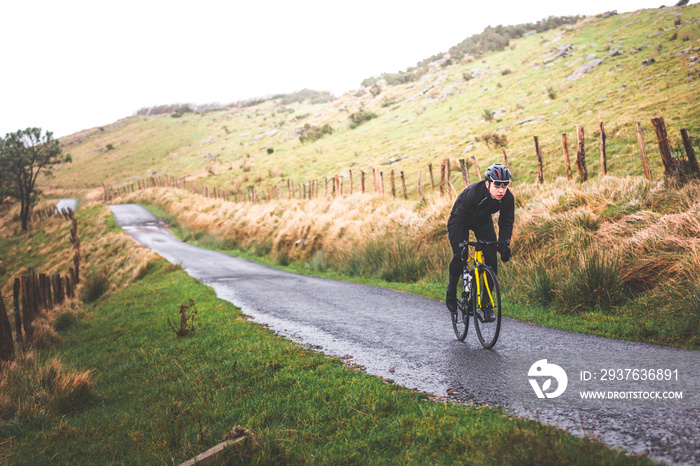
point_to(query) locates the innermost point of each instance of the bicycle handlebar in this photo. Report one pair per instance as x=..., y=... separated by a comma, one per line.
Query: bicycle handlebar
x=479, y=244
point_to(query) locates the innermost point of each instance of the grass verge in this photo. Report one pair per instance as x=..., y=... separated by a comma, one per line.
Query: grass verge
x=163, y=398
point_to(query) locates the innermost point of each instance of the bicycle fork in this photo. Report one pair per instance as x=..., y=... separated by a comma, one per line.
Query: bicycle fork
x=479, y=280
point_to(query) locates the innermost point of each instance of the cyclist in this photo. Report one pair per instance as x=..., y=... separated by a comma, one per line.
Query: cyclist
x=472, y=211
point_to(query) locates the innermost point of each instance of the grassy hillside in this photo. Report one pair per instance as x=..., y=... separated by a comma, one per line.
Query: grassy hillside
x=438, y=116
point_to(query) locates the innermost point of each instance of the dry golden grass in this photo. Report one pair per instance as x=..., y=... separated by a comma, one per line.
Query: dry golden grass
x=603, y=244
x=301, y=228
x=28, y=387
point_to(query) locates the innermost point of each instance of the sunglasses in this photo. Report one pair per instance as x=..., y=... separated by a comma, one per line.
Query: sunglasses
x=501, y=184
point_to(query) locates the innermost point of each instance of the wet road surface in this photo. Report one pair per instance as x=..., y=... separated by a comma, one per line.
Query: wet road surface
x=409, y=339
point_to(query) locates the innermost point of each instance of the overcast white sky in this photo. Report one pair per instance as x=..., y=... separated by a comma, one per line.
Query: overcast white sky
x=70, y=65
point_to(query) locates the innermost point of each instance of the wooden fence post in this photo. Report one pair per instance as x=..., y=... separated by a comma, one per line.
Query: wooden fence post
x=26, y=308
x=432, y=180
x=690, y=152
x=567, y=161
x=42, y=291
x=420, y=189
x=505, y=156
x=381, y=182
x=351, y=182
x=442, y=177
x=362, y=181
x=540, y=168
x=581, y=154
x=36, y=293
x=69, y=287
x=49, y=297
x=476, y=164
x=603, y=157
x=465, y=172
x=670, y=165
x=642, y=150
x=403, y=184
x=56, y=289
x=393, y=185
x=450, y=189
x=16, y=290
x=7, y=346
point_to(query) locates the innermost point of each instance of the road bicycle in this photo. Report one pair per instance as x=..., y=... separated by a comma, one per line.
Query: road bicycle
x=481, y=296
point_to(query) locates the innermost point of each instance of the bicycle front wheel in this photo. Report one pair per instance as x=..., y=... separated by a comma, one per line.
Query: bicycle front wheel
x=487, y=308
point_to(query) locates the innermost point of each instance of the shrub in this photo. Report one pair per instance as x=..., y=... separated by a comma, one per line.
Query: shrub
x=181, y=111
x=552, y=93
x=283, y=258
x=188, y=311
x=317, y=263
x=361, y=116
x=95, y=286
x=270, y=150
x=310, y=133
x=28, y=389
x=369, y=82
x=539, y=284
x=401, y=263
x=592, y=283
x=498, y=140
x=146, y=269
x=488, y=115
x=44, y=334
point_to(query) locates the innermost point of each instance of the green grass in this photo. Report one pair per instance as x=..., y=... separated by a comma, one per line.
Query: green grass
x=163, y=398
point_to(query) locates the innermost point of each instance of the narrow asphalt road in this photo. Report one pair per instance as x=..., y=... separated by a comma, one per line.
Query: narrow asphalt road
x=409, y=339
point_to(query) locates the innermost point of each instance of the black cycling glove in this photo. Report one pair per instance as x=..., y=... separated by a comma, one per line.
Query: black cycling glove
x=504, y=250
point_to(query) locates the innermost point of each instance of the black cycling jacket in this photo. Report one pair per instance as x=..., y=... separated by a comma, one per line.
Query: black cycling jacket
x=475, y=205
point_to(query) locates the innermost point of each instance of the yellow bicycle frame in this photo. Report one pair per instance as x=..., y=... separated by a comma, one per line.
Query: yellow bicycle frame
x=479, y=259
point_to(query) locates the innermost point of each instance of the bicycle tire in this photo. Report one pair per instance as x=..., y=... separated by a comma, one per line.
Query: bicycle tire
x=460, y=319
x=487, y=332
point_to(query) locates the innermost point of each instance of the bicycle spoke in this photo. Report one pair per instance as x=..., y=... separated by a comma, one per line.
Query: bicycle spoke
x=460, y=319
x=487, y=309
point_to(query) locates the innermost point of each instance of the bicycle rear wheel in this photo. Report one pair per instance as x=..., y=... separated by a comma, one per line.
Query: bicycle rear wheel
x=460, y=319
x=487, y=331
